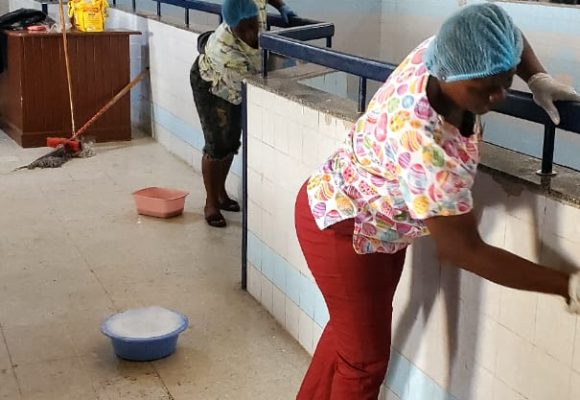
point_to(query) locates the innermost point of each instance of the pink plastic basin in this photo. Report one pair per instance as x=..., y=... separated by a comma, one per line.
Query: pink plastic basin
x=160, y=202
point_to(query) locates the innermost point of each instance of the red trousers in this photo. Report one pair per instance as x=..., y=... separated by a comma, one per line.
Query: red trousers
x=352, y=356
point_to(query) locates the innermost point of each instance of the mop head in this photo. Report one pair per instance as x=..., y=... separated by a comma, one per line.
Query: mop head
x=54, y=159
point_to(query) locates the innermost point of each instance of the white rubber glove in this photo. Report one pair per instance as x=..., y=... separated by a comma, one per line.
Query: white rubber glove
x=574, y=292
x=547, y=90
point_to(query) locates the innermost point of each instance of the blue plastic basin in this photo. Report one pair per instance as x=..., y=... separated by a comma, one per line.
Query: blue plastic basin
x=145, y=349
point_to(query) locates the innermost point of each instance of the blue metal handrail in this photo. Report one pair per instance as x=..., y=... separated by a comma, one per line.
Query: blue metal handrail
x=518, y=104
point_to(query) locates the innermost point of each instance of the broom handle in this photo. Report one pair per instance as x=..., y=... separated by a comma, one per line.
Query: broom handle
x=110, y=104
x=67, y=64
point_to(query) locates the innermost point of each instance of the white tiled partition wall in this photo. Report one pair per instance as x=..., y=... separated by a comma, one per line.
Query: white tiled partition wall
x=455, y=336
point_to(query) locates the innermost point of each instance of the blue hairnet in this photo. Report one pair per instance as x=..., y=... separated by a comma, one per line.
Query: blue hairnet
x=234, y=11
x=477, y=42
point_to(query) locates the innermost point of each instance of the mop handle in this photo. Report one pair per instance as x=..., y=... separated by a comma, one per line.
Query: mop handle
x=67, y=64
x=110, y=104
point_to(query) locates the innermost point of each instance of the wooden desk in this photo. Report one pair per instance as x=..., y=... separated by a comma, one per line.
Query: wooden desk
x=33, y=90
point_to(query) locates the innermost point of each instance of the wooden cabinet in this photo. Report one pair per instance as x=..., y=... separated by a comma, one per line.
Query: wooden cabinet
x=33, y=87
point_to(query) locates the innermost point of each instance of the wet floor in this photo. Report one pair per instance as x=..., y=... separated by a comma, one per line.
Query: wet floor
x=73, y=251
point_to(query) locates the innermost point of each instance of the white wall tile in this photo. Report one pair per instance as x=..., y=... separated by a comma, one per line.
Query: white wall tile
x=574, y=392
x=562, y=219
x=560, y=253
x=310, y=118
x=481, y=385
x=255, y=121
x=523, y=238
x=279, y=300
x=292, y=318
x=306, y=331
x=514, y=361
x=550, y=379
x=255, y=214
x=576, y=360
x=310, y=156
x=282, y=135
x=327, y=125
x=526, y=206
x=486, y=342
x=267, y=298
x=269, y=128
x=518, y=312
x=501, y=391
x=294, y=133
x=254, y=282
x=555, y=329
x=316, y=334
x=326, y=147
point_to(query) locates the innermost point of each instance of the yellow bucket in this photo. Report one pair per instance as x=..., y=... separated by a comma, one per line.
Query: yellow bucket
x=88, y=15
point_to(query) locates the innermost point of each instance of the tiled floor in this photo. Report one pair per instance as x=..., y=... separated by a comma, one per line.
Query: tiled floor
x=73, y=250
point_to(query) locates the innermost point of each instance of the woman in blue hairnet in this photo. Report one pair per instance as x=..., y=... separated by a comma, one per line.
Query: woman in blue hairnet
x=231, y=53
x=406, y=171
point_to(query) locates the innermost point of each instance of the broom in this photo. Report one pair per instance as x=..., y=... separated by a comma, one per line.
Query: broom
x=73, y=145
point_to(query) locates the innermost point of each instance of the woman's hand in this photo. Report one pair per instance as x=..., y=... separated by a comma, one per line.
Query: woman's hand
x=458, y=242
x=547, y=90
x=286, y=13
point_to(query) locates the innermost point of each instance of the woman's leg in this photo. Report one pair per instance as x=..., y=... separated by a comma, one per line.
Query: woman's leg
x=211, y=171
x=351, y=359
x=221, y=124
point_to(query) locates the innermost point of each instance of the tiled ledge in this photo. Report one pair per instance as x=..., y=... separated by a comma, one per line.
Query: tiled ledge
x=504, y=165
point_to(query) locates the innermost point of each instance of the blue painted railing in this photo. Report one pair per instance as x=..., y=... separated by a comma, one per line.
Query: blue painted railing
x=519, y=104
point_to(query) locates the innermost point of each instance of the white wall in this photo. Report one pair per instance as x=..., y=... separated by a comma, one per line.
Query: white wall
x=455, y=335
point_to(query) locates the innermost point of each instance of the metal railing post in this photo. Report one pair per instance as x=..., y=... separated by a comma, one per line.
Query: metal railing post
x=244, y=186
x=548, y=151
x=362, y=94
x=264, y=63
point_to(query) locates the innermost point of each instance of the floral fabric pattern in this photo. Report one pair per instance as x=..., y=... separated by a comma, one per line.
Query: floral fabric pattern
x=226, y=62
x=400, y=164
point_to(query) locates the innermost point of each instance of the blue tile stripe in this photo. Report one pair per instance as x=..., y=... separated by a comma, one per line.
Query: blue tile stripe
x=404, y=379
x=186, y=132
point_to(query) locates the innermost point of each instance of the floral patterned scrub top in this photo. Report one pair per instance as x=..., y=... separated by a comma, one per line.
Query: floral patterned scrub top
x=401, y=164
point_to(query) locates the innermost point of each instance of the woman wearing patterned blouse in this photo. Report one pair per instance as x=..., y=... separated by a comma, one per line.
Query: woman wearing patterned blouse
x=405, y=171
x=231, y=53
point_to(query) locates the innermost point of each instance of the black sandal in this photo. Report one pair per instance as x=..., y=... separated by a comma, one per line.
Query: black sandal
x=230, y=205
x=216, y=220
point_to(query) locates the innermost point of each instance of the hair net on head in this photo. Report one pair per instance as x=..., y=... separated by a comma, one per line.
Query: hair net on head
x=234, y=11
x=477, y=42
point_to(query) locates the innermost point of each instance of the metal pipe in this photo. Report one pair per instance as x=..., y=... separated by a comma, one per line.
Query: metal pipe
x=187, y=17
x=244, y=186
x=45, y=8
x=264, y=63
x=329, y=42
x=548, y=150
x=362, y=94
x=134, y=4
x=159, y=8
